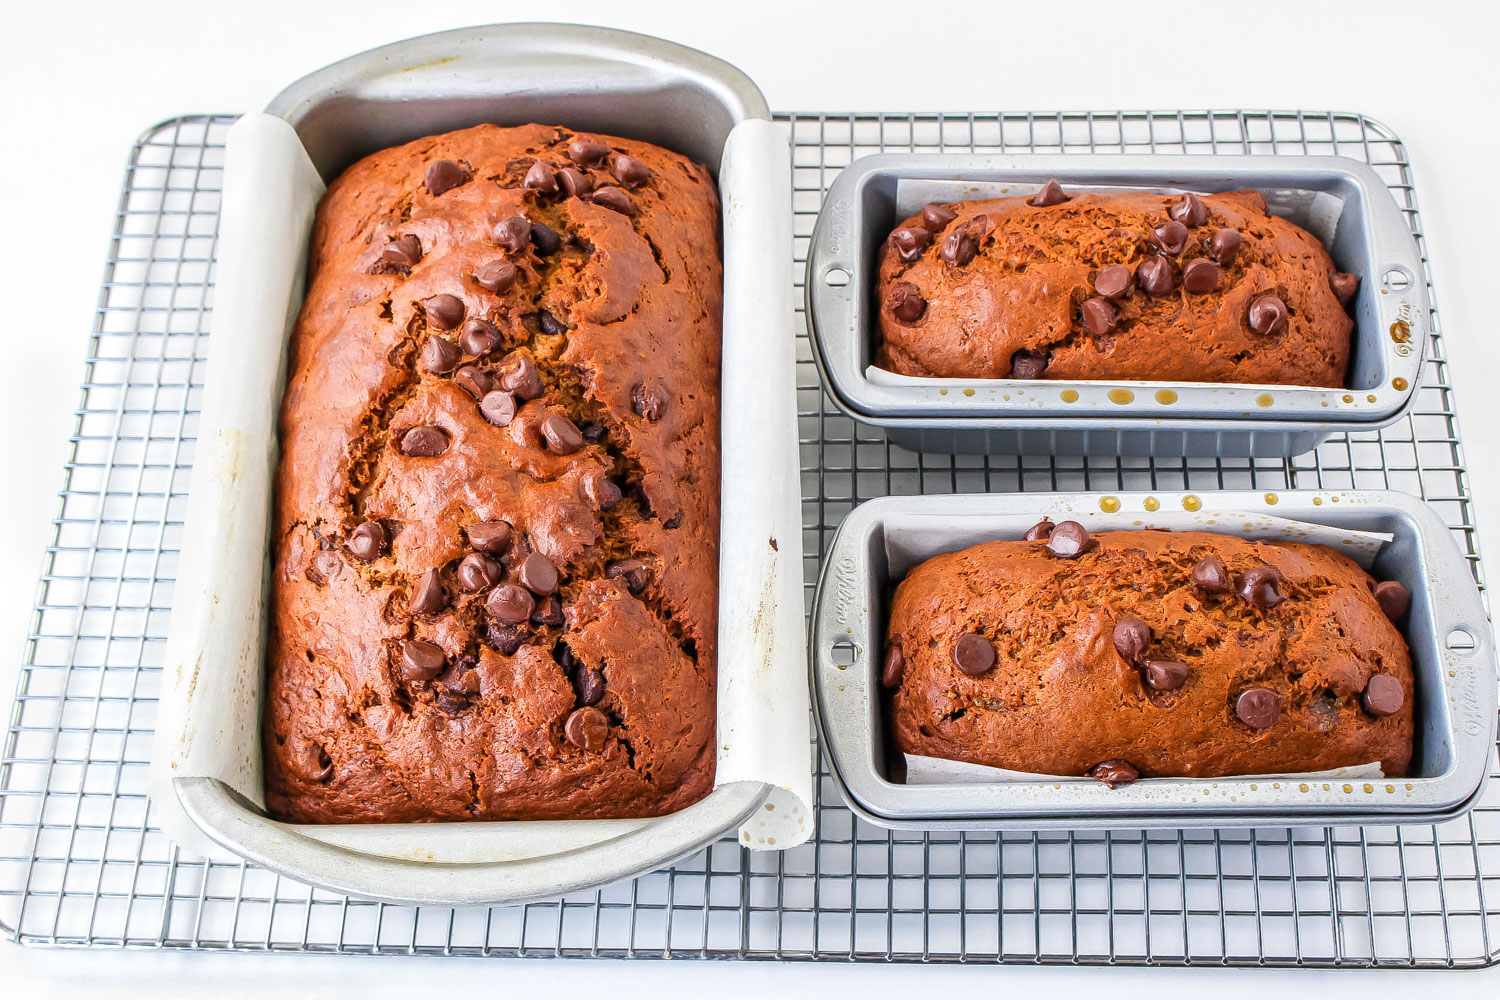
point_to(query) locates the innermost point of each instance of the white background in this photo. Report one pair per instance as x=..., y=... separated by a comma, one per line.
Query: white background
x=82, y=80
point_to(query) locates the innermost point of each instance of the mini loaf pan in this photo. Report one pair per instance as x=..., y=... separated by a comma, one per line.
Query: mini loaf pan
x=588, y=79
x=1453, y=659
x=1340, y=199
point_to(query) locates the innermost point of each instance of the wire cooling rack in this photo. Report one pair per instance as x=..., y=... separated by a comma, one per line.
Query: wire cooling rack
x=82, y=863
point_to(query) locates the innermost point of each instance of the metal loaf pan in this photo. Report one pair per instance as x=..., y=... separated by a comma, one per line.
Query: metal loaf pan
x=1359, y=222
x=580, y=77
x=1453, y=653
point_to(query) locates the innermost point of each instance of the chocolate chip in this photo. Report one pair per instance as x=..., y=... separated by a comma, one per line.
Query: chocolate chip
x=424, y=442
x=935, y=217
x=422, y=661
x=587, y=153
x=1261, y=587
x=1069, y=540
x=367, y=541
x=489, y=536
x=1131, y=637
x=905, y=302
x=594, y=433
x=311, y=761
x=630, y=171
x=973, y=654
x=1210, y=575
x=505, y=637
x=498, y=407
x=473, y=380
x=541, y=178
x=1099, y=316
x=325, y=566
x=1189, y=210
x=588, y=685
x=449, y=702
x=479, y=337
x=496, y=275
x=1200, y=275
x=587, y=728
x=1166, y=675
x=894, y=667
x=561, y=434
x=440, y=355
x=1268, y=315
x=510, y=603
x=1040, y=531
x=1027, y=363
x=514, y=234
x=615, y=199
x=402, y=253
x=960, y=246
x=1393, y=597
x=1383, y=695
x=1258, y=707
x=601, y=492
x=1223, y=245
x=429, y=598
x=445, y=311
x=910, y=242
x=524, y=379
x=1114, y=773
x=546, y=239
x=548, y=611
x=648, y=401
x=550, y=324
x=1344, y=286
x=574, y=182
x=634, y=572
x=444, y=175
x=537, y=574
x=477, y=571
x=1114, y=282
x=1155, y=276
x=1050, y=194
x=1171, y=236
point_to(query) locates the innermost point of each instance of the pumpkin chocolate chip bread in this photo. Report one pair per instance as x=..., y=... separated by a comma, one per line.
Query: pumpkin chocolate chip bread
x=495, y=587
x=1149, y=653
x=1122, y=285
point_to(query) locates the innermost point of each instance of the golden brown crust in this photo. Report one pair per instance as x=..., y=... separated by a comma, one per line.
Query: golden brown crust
x=1035, y=267
x=349, y=736
x=1061, y=697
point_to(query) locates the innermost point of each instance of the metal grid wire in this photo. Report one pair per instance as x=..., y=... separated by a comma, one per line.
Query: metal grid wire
x=82, y=864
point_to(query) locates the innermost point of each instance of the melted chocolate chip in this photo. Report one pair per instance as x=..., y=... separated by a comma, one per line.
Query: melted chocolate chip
x=498, y=407
x=1258, y=707
x=960, y=246
x=1383, y=695
x=422, y=661
x=1099, y=316
x=935, y=217
x=477, y=571
x=444, y=311
x=574, y=182
x=505, y=637
x=429, y=597
x=1131, y=637
x=1166, y=675
x=587, y=153
x=634, y=572
x=479, y=337
x=403, y=253
x=973, y=654
x=1171, y=236
x=1155, y=276
x=424, y=442
x=1040, y=531
x=1394, y=599
x=905, y=302
x=1268, y=315
x=510, y=603
x=1210, y=575
x=537, y=574
x=1050, y=194
x=1027, y=363
x=523, y=378
x=444, y=175
x=1261, y=587
x=1069, y=540
x=1201, y=275
x=630, y=171
x=588, y=685
x=367, y=541
x=473, y=380
x=601, y=492
x=440, y=355
x=1114, y=282
x=911, y=241
x=561, y=434
x=1114, y=773
x=489, y=536
x=1223, y=245
x=541, y=179
x=1344, y=286
x=587, y=728
x=648, y=401
x=546, y=239
x=1189, y=210
x=496, y=276
x=894, y=667
x=548, y=611
x=615, y=199
x=594, y=433
x=514, y=234
x=311, y=761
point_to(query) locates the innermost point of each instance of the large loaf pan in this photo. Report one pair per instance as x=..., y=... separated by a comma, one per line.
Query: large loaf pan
x=1341, y=200
x=1452, y=647
x=578, y=77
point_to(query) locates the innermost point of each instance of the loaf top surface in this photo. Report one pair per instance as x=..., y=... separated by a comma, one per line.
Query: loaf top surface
x=591, y=331
x=1062, y=696
x=1005, y=277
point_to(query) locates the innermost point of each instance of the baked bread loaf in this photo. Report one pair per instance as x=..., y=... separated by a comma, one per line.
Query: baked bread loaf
x=496, y=548
x=1149, y=653
x=1124, y=285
